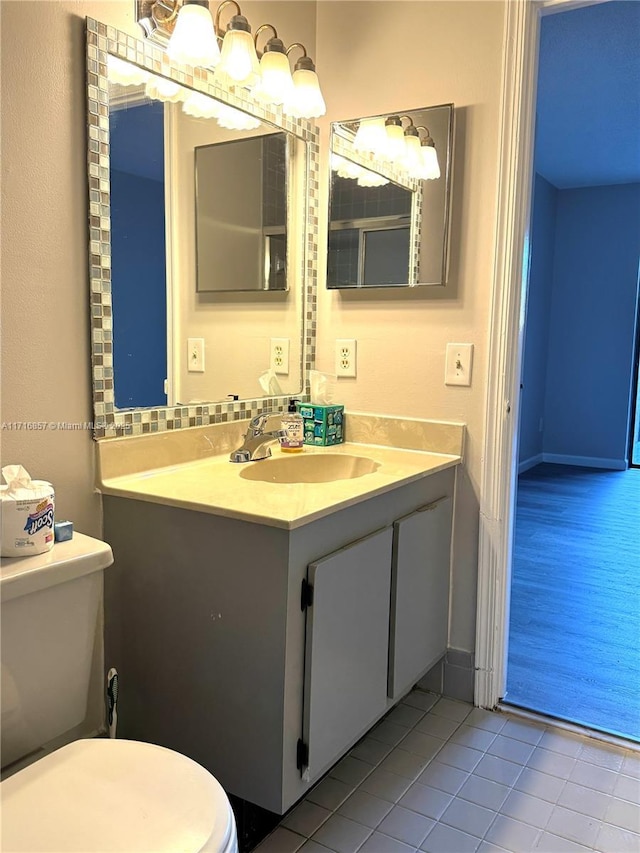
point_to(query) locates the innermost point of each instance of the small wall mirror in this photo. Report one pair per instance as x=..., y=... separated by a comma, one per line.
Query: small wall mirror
x=199, y=212
x=390, y=197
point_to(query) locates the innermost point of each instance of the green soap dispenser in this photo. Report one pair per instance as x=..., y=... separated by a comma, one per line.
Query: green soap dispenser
x=293, y=426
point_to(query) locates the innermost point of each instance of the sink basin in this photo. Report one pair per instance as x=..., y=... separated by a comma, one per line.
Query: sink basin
x=320, y=468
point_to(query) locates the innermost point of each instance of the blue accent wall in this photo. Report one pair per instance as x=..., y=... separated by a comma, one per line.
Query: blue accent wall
x=580, y=327
x=138, y=257
x=591, y=333
x=534, y=364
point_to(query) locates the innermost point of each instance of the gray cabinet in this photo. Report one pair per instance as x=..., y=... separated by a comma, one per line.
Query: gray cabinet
x=345, y=685
x=218, y=660
x=419, y=594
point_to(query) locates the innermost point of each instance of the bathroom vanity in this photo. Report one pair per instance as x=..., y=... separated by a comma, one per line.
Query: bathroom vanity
x=263, y=627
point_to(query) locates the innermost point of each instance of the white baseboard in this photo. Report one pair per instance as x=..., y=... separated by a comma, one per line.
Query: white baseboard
x=585, y=461
x=531, y=462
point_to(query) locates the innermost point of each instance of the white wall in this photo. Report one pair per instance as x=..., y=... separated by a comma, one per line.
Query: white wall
x=378, y=57
x=372, y=57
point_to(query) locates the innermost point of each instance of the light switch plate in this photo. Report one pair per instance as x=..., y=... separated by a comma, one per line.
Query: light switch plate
x=458, y=364
x=195, y=355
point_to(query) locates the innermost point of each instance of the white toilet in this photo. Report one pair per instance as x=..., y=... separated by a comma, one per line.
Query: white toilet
x=95, y=794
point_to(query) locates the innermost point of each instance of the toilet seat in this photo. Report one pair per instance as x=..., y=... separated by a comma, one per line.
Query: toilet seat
x=119, y=796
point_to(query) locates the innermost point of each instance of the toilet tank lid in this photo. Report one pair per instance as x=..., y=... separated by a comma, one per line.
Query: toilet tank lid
x=64, y=562
x=117, y=796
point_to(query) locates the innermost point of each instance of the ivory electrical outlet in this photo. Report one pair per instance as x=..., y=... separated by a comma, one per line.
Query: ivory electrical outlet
x=279, y=360
x=458, y=363
x=346, y=357
x=195, y=355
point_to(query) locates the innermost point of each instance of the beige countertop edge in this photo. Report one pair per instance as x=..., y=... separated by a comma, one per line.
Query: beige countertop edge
x=141, y=487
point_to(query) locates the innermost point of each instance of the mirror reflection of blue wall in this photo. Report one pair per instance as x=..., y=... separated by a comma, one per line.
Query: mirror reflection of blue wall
x=138, y=255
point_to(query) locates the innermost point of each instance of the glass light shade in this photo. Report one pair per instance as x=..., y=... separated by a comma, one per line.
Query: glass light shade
x=307, y=100
x=160, y=89
x=200, y=106
x=430, y=163
x=193, y=40
x=234, y=119
x=371, y=137
x=371, y=179
x=238, y=64
x=124, y=73
x=412, y=159
x=276, y=84
x=395, y=147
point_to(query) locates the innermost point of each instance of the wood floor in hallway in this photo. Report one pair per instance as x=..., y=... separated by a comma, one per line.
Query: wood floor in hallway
x=574, y=636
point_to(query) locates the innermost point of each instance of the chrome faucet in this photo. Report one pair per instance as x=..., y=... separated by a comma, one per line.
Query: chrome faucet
x=256, y=443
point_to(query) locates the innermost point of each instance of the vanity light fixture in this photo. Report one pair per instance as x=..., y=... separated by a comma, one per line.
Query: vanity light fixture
x=430, y=168
x=124, y=73
x=161, y=89
x=194, y=39
x=191, y=36
x=238, y=64
x=345, y=168
x=276, y=83
x=307, y=100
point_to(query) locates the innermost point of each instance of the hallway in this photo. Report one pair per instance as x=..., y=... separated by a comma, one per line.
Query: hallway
x=574, y=637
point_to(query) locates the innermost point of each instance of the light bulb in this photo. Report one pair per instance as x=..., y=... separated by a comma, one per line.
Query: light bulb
x=431, y=167
x=238, y=64
x=161, y=89
x=306, y=100
x=193, y=40
x=371, y=136
x=395, y=147
x=276, y=84
x=124, y=73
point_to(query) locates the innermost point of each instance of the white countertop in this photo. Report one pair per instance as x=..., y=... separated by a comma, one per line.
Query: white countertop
x=214, y=485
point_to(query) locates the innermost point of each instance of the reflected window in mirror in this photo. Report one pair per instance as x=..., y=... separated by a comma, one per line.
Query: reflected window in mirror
x=389, y=203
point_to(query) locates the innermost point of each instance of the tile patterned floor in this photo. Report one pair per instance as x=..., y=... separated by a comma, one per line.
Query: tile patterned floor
x=440, y=776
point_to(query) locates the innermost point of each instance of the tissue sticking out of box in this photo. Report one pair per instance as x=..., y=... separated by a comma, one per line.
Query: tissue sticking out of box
x=270, y=384
x=322, y=387
x=27, y=513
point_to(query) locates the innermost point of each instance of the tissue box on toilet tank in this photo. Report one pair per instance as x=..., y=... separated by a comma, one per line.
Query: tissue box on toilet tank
x=323, y=425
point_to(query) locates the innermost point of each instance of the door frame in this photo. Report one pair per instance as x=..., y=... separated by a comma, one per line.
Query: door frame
x=510, y=279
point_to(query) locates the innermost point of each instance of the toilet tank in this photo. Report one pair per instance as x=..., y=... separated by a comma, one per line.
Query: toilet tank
x=50, y=604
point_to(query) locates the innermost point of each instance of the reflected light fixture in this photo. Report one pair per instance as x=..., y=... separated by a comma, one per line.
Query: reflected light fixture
x=412, y=159
x=395, y=147
x=371, y=137
x=346, y=168
x=161, y=89
x=430, y=168
x=194, y=40
x=124, y=73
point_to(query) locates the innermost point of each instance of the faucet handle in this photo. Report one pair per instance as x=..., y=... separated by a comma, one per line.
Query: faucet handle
x=257, y=425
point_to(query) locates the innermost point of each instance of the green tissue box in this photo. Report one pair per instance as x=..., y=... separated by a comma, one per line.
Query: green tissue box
x=323, y=425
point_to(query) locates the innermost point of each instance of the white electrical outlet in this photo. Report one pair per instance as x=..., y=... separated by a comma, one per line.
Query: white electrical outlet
x=195, y=355
x=279, y=360
x=346, y=357
x=458, y=364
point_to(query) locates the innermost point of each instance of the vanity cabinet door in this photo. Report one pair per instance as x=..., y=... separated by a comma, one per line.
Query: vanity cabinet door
x=419, y=594
x=347, y=644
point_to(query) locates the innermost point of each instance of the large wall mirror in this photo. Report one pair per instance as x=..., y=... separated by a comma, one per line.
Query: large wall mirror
x=202, y=259
x=390, y=197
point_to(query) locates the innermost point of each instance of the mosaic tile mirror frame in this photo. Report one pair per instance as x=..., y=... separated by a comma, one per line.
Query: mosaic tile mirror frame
x=109, y=421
